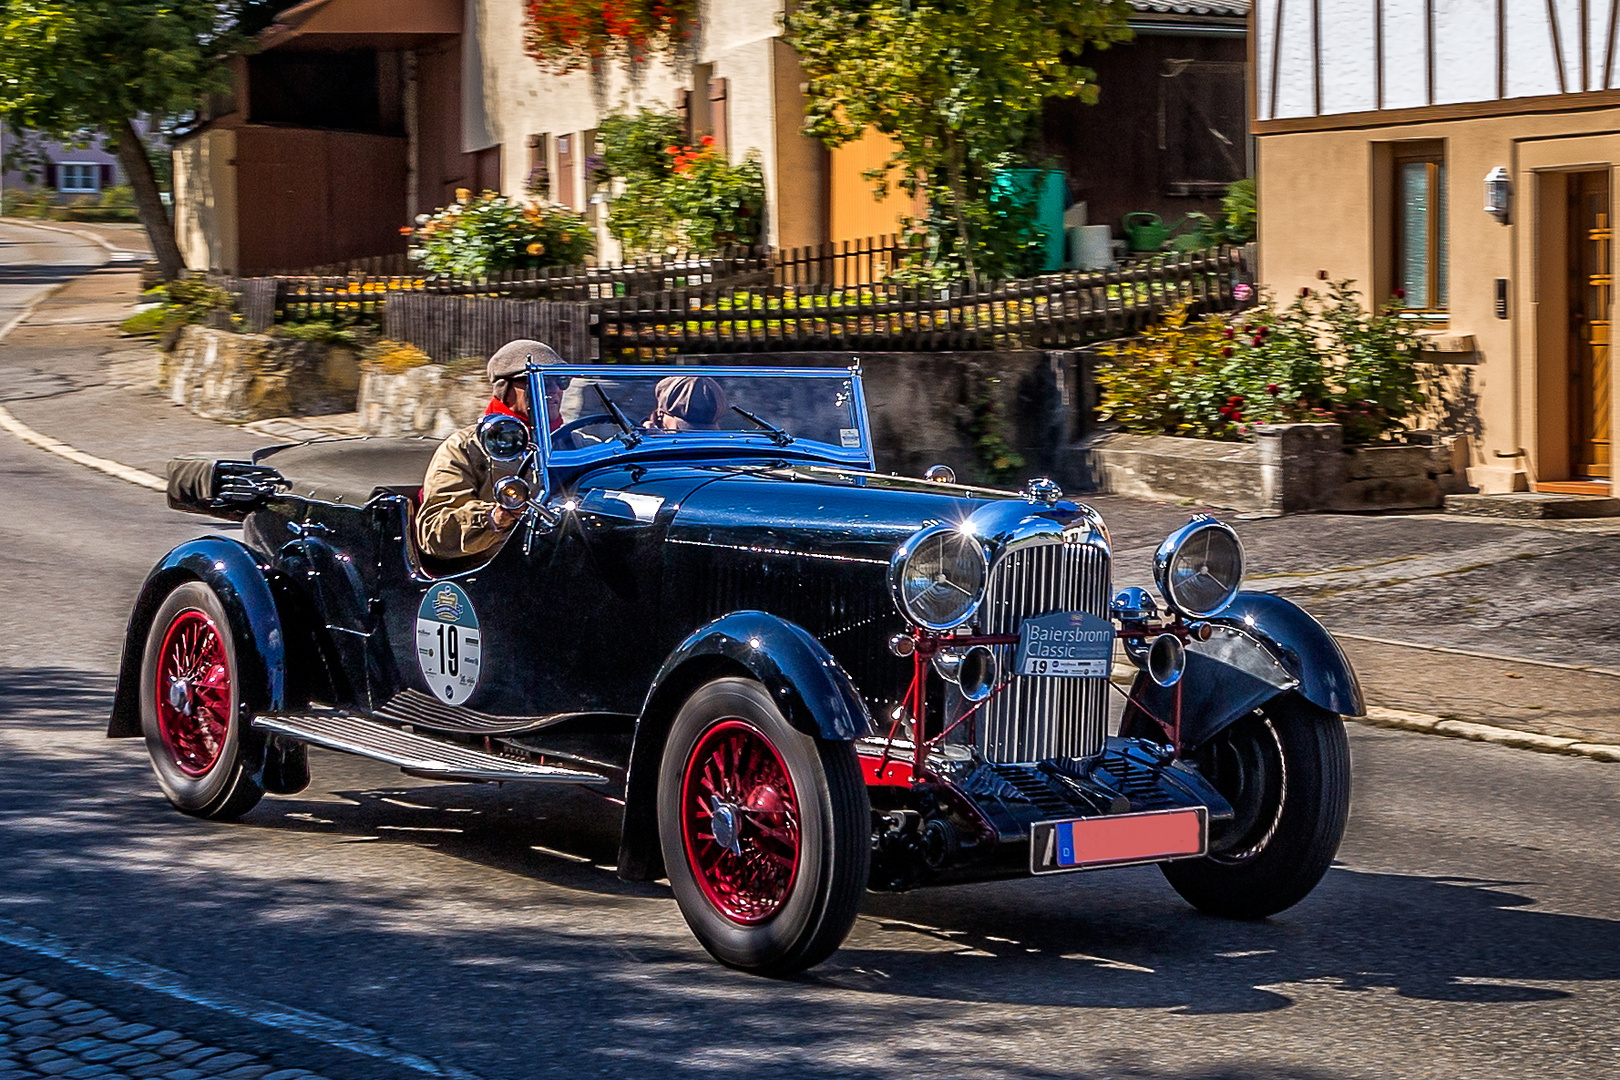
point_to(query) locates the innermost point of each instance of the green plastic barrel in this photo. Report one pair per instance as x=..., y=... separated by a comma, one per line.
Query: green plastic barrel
x=1051, y=196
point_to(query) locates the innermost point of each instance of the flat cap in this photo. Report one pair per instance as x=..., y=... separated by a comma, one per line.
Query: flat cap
x=510, y=359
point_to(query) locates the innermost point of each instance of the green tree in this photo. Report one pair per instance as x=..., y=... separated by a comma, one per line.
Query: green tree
x=68, y=67
x=958, y=85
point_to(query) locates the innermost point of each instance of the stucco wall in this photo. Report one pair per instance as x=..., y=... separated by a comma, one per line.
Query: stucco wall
x=1325, y=202
x=508, y=97
x=205, y=199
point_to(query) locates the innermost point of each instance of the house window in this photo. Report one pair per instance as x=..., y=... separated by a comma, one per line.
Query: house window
x=1420, y=262
x=75, y=176
x=1203, y=126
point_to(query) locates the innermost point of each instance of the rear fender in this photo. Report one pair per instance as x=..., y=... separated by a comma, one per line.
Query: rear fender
x=1262, y=646
x=239, y=578
x=812, y=690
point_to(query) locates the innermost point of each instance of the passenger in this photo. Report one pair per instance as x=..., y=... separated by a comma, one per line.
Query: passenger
x=688, y=403
x=458, y=516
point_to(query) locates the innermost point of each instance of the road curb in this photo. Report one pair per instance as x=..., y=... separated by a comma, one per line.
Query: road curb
x=56, y=446
x=94, y=238
x=1501, y=736
x=63, y=450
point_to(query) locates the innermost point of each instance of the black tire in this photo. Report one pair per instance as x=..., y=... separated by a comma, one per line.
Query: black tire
x=199, y=740
x=744, y=908
x=1286, y=771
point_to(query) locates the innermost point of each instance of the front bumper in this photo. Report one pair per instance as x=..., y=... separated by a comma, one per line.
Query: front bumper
x=973, y=820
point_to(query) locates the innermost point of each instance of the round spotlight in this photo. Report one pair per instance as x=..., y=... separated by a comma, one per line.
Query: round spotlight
x=1199, y=567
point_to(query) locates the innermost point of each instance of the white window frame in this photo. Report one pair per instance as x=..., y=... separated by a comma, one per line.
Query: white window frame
x=94, y=173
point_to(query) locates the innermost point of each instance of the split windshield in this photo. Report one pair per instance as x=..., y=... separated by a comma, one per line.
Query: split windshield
x=816, y=411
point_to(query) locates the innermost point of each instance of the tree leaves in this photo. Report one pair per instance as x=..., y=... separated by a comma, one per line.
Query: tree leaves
x=67, y=66
x=958, y=85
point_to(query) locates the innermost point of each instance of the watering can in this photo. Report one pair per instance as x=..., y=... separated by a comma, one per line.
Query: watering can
x=1145, y=232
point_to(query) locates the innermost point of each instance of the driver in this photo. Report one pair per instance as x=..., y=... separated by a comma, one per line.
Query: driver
x=458, y=516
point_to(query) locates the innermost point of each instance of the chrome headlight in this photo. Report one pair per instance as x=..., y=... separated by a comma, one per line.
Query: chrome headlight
x=1199, y=567
x=938, y=577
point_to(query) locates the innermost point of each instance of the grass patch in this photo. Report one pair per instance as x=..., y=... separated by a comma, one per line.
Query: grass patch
x=148, y=323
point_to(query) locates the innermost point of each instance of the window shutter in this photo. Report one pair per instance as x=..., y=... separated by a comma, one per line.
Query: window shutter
x=106, y=175
x=50, y=174
x=565, y=185
x=683, y=106
x=717, y=113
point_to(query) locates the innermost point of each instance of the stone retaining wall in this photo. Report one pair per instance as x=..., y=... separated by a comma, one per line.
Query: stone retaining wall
x=223, y=375
x=1288, y=468
x=425, y=400
x=926, y=408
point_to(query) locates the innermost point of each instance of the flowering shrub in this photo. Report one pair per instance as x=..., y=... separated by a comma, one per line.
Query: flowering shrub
x=671, y=196
x=568, y=35
x=488, y=233
x=1321, y=359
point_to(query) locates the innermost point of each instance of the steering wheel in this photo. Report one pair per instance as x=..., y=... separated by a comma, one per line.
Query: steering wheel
x=582, y=422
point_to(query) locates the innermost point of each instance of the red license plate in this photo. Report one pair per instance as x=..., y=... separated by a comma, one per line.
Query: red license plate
x=1118, y=840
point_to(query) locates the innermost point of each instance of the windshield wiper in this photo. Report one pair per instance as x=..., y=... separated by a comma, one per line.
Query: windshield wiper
x=628, y=435
x=778, y=436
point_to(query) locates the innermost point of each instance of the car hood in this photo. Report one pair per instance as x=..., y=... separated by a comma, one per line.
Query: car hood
x=819, y=511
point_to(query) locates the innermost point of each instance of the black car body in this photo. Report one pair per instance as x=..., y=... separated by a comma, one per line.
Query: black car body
x=768, y=651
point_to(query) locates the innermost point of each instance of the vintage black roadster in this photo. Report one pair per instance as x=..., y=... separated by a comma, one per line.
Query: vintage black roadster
x=801, y=678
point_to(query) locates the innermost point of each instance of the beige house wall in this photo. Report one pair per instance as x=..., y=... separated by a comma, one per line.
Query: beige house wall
x=507, y=97
x=205, y=199
x=1326, y=203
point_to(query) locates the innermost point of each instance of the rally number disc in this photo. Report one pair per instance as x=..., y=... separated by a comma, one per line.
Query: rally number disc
x=448, y=643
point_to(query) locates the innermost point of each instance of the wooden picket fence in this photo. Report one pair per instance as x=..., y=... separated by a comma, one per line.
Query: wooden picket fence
x=1053, y=311
x=825, y=297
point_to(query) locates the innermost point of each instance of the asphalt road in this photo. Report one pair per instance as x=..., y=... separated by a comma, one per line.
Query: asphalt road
x=1469, y=930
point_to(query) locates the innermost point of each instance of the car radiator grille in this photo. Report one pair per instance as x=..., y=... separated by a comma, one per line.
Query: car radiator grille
x=1038, y=717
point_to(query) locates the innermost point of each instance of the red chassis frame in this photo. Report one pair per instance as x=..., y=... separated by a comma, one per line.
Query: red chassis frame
x=927, y=644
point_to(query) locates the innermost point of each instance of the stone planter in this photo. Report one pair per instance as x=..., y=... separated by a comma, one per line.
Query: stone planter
x=1288, y=468
x=431, y=399
x=223, y=375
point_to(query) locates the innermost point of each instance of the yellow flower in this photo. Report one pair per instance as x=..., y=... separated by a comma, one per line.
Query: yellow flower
x=536, y=248
x=462, y=194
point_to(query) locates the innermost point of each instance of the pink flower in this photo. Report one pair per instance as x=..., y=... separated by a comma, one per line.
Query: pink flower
x=1242, y=291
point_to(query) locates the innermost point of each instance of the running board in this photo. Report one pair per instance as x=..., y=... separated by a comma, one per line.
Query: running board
x=417, y=754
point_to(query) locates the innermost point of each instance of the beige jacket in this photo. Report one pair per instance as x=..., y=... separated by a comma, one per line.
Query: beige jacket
x=457, y=497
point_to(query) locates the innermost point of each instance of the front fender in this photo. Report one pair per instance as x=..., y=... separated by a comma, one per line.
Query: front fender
x=238, y=577
x=812, y=690
x=1262, y=646
x=1303, y=647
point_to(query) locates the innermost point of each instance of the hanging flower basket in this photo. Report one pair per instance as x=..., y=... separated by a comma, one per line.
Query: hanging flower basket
x=571, y=35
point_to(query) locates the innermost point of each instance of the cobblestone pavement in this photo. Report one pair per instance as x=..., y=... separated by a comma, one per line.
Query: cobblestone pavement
x=44, y=1034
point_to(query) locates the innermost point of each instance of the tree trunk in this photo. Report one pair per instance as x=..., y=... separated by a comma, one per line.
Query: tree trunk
x=953, y=181
x=148, y=203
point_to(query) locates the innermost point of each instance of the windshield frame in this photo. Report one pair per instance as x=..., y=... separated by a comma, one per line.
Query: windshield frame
x=752, y=442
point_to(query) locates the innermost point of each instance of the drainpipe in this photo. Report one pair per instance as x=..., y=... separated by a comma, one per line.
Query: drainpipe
x=412, y=143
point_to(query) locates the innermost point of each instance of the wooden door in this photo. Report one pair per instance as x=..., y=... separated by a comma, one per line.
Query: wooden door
x=1591, y=295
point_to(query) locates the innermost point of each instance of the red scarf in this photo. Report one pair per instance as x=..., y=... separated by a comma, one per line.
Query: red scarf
x=497, y=407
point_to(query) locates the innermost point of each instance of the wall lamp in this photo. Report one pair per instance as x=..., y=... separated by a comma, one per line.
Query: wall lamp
x=1498, y=194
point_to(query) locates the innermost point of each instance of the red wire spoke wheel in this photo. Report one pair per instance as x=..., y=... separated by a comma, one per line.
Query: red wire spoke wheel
x=740, y=821
x=765, y=830
x=197, y=733
x=193, y=692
